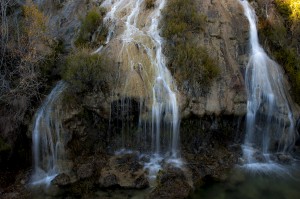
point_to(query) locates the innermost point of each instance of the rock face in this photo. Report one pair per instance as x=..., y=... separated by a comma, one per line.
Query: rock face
x=124, y=171
x=210, y=122
x=61, y=180
x=172, y=183
x=225, y=37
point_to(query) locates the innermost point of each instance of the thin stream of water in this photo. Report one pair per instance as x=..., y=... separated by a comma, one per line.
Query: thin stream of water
x=146, y=36
x=48, y=143
x=270, y=121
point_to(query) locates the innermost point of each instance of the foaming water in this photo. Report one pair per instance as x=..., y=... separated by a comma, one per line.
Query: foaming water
x=270, y=122
x=48, y=144
x=140, y=30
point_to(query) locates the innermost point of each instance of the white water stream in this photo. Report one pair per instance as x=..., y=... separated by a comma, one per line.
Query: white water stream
x=141, y=27
x=270, y=123
x=48, y=144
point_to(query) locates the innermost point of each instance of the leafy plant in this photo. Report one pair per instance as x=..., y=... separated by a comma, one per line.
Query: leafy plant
x=282, y=41
x=150, y=4
x=188, y=62
x=89, y=24
x=85, y=71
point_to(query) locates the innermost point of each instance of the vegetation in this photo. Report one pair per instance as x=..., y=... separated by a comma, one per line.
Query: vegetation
x=289, y=8
x=25, y=45
x=89, y=25
x=150, y=4
x=3, y=146
x=187, y=61
x=85, y=72
x=283, y=40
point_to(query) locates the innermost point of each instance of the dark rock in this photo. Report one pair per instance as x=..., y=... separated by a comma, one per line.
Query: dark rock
x=85, y=170
x=141, y=182
x=124, y=171
x=172, y=173
x=61, y=180
x=171, y=184
x=284, y=159
x=128, y=162
x=109, y=181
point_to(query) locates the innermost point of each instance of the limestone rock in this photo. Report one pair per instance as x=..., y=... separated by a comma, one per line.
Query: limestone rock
x=61, y=180
x=85, y=170
x=109, y=180
x=171, y=184
x=124, y=171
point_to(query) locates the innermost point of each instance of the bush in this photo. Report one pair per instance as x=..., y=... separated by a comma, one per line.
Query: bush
x=283, y=8
x=289, y=9
x=34, y=22
x=188, y=62
x=180, y=17
x=283, y=39
x=89, y=25
x=4, y=146
x=290, y=61
x=150, y=4
x=86, y=72
x=193, y=64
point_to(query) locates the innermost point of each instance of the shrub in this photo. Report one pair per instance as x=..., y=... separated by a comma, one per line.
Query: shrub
x=34, y=22
x=188, y=62
x=193, y=64
x=283, y=42
x=150, y=4
x=290, y=61
x=4, y=146
x=283, y=8
x=180, y=17
x=89, y=25
x=85, y=71
x=290, y=9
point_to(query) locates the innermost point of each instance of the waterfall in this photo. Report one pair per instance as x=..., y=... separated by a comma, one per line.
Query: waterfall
x=47, y=140
x=159, y=84
x=270, y=124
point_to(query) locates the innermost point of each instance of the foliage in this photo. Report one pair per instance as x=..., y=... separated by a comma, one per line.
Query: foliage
x=188, y=62
x=85, y=71
x=150, y=4
x=295, y=7
x=194, y=64
x=24, y=55
x=283, y=8
x=4, y=146
x=283, y=41
x=181, y=17
x=290, y=60
x=289, y=8
x=52, y=61
x=34, y=22
x=89, y=24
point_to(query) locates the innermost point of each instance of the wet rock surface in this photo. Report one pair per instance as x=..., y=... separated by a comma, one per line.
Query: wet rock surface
x=124, y=171
x=61, y=180
x=171, y=183
x=211, y=127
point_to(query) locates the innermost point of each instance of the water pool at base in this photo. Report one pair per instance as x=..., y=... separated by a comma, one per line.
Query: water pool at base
x=243, y=184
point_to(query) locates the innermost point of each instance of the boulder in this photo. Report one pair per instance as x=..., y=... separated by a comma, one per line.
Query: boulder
x=61, y=180
x=171, y=184
x=85, y=170
x=124, y=171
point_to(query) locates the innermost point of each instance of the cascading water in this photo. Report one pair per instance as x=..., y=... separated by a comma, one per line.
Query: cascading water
x=145, y=36
x=270, y=123
x=48, y=143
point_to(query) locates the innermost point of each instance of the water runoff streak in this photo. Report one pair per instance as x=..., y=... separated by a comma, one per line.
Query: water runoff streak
x=141, y=30
x=270, y=129
x=48, y=144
